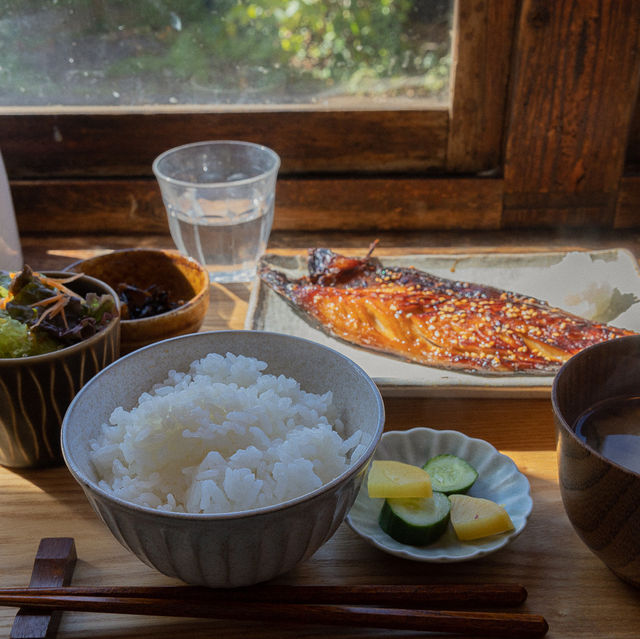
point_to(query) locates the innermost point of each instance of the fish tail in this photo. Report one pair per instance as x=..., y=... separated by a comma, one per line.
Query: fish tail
x=278, y=281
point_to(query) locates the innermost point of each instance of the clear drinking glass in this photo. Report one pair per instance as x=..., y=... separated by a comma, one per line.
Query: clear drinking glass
x=219, y=198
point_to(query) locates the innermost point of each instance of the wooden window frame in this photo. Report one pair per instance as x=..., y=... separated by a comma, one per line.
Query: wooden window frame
x=515, y=149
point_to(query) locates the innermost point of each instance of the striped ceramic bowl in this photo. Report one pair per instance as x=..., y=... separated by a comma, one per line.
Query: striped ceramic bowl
x=36, y=391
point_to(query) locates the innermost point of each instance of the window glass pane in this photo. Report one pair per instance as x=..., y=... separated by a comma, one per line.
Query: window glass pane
x=124, y=52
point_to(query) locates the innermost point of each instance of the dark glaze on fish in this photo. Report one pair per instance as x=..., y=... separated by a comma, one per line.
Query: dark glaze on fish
x=435, y=321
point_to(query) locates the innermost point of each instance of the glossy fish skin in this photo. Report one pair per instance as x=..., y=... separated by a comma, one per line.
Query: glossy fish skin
x=435, y=321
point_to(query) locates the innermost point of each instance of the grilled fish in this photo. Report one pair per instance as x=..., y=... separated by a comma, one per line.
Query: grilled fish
x=434, y=321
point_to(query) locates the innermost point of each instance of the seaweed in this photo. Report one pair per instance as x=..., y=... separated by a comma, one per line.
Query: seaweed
x=138, y=303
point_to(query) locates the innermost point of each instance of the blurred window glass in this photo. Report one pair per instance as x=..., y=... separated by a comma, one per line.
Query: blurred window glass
x=330, y=53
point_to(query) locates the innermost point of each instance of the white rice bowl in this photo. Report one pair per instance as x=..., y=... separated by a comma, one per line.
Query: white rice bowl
x=237, y=548
x=222, y=437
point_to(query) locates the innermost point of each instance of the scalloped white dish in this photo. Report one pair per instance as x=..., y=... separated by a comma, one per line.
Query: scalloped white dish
x=498, y=479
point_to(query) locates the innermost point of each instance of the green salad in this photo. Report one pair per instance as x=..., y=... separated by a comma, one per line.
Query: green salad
x=39, y=314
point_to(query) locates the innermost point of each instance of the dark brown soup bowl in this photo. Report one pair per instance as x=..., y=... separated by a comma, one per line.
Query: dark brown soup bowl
x=601, y=497
x=36, y=391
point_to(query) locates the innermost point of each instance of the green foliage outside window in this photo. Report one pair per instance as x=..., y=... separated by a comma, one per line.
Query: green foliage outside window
x=176, y=47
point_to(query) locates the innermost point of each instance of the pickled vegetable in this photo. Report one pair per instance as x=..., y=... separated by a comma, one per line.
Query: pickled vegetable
x=450, y=474
x=475, y=517
x=416, y=521
x=388, y=478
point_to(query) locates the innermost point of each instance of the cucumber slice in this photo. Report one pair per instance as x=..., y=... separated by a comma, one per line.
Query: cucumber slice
x=415, y=521
x=450, y=474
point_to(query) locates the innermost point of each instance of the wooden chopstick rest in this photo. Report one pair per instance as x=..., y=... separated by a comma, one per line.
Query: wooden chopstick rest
x=53, y=566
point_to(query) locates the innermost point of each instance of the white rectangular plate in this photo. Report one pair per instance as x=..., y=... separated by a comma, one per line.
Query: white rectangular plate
x=523, y=272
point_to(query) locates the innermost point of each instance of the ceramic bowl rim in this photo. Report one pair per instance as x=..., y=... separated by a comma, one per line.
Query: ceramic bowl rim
x=353, y=469
x=560, y=419
x=85, y=343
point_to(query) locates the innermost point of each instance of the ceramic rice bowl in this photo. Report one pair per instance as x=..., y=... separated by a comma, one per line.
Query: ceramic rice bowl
x=238, y=548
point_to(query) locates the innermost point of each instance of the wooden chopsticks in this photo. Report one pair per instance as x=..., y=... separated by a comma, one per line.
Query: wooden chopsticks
x=397, y=607
x=401, y=596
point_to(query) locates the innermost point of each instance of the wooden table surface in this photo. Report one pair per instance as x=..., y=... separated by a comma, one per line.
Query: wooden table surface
x=566, y=583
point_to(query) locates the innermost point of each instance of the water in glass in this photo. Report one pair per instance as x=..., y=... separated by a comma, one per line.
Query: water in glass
x=227, y=236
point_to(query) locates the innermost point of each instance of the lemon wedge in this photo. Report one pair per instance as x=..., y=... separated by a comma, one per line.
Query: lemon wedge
x=393, y=479
x=475, y=517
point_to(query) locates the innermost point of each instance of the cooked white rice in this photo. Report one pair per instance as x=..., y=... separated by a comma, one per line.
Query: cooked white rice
x=223, y=437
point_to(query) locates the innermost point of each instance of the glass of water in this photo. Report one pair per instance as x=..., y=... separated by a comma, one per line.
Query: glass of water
x=219, y=198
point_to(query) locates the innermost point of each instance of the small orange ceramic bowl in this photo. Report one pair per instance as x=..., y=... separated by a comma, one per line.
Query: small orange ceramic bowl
x=165, y=277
